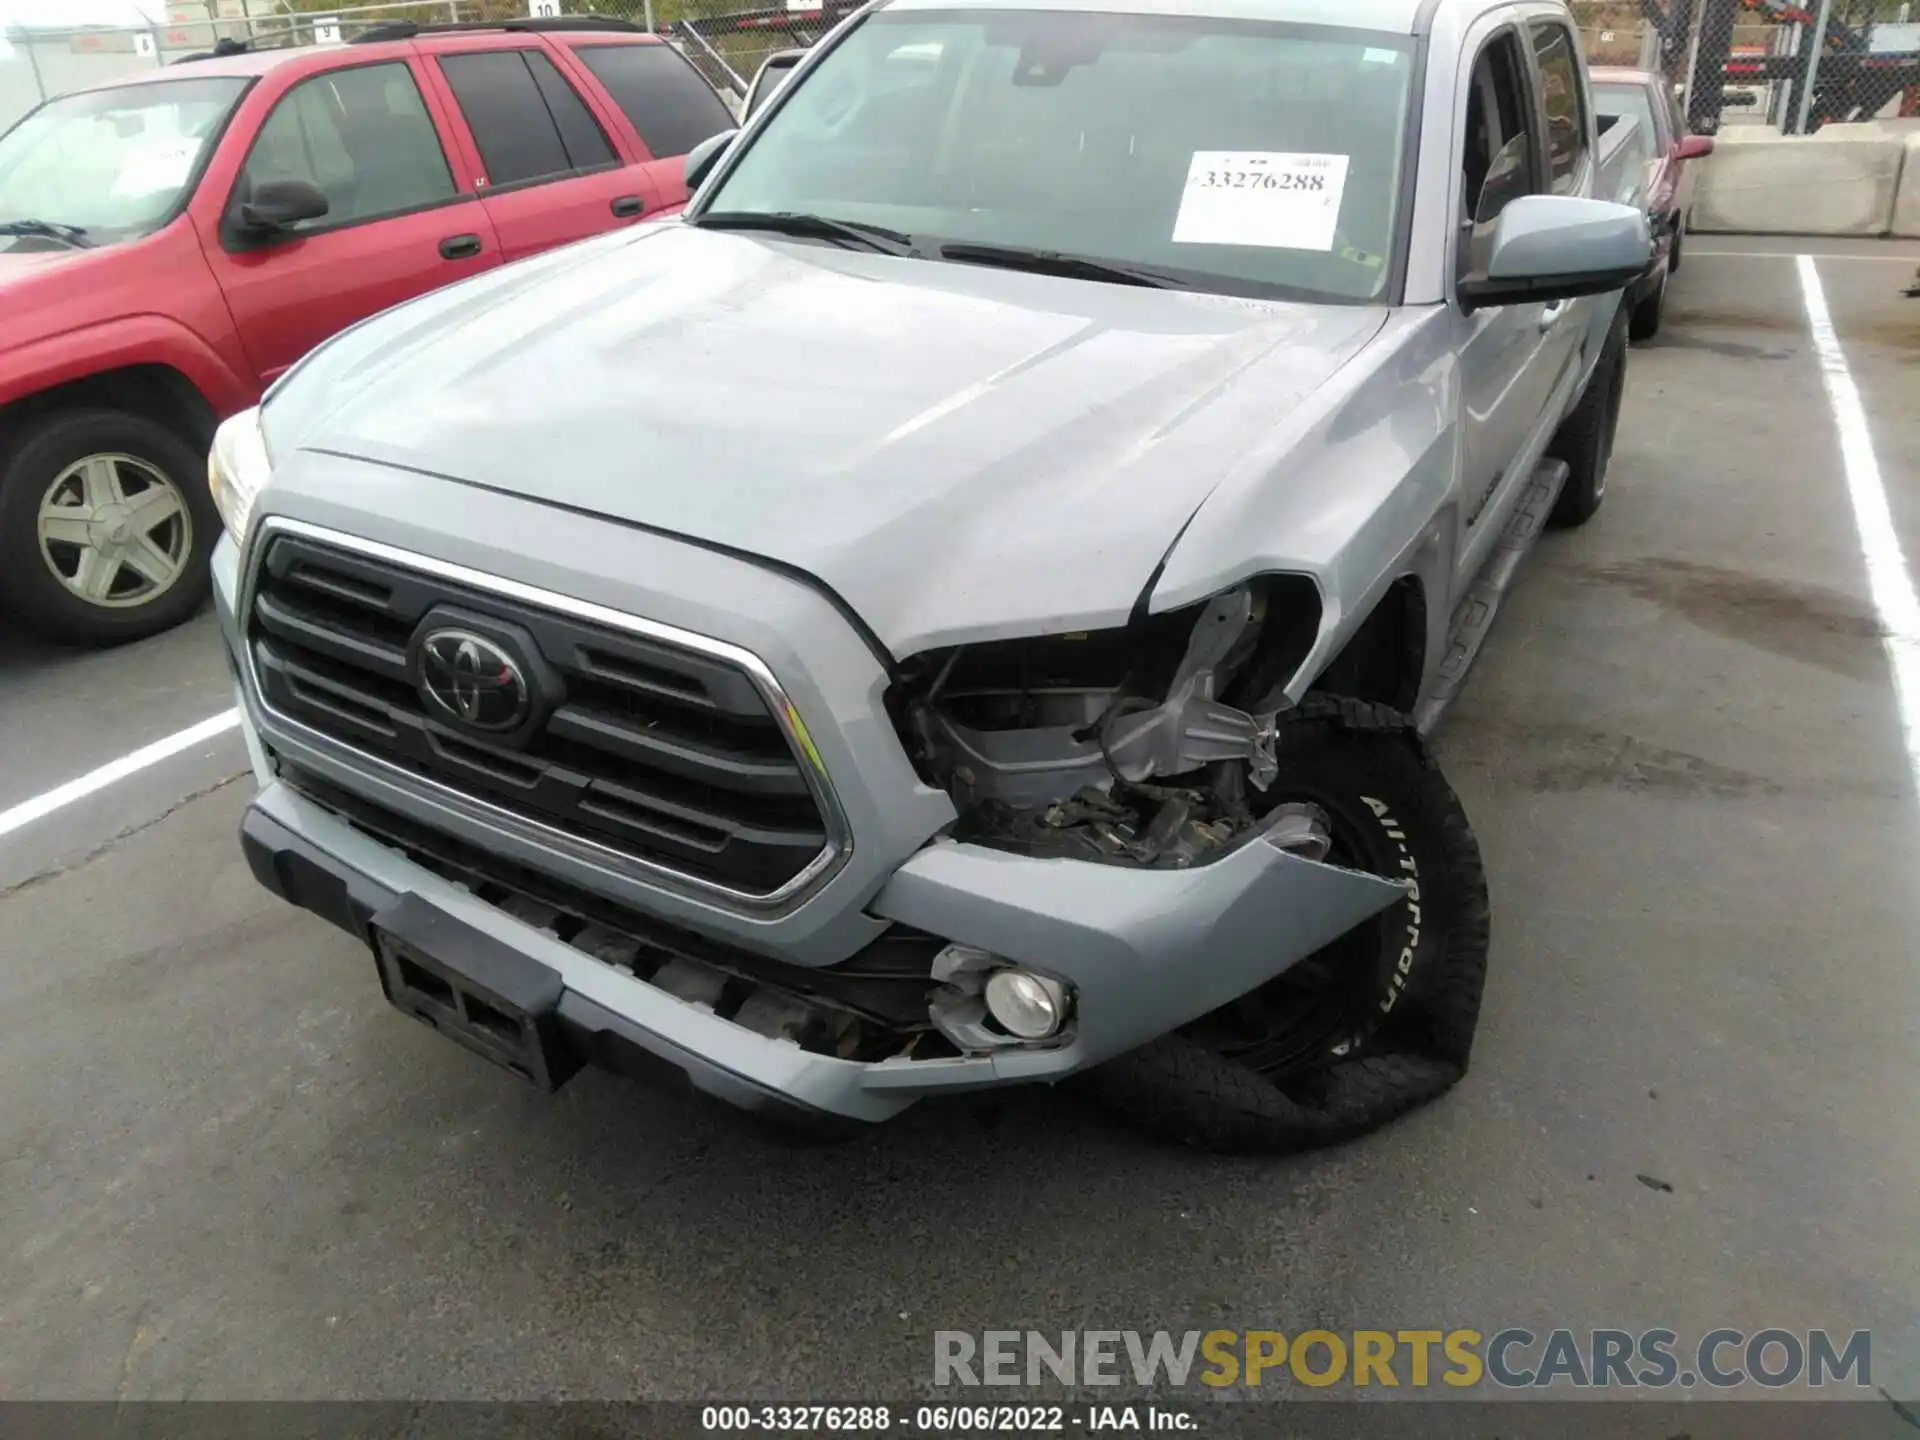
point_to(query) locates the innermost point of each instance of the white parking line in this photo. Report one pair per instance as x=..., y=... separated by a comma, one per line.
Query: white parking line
x=1912, y=260
x=27, y=811
x=1887, y=574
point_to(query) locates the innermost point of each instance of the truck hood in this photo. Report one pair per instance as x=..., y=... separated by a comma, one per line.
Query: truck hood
x=959, y=453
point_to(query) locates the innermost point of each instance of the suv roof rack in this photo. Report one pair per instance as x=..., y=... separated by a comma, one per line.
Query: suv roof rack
x=407, y=29
x=222, y=48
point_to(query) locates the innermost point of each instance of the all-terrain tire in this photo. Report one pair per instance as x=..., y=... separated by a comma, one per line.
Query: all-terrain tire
x=1585, y=438
x=1415, y=1041
x=31, y=460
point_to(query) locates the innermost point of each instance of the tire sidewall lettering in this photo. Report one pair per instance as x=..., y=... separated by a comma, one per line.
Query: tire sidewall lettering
x=1409, y=938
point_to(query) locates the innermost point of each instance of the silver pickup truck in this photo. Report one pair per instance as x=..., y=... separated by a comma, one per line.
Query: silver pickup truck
x=961, y=606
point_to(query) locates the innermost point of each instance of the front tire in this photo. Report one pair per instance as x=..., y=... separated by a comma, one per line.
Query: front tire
x=1585, y=437
x=106, y=524
x=1379, y=1022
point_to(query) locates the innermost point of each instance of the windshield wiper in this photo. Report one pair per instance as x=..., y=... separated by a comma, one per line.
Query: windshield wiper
x=1052, y=262
x=823, y=227
x=74, y=235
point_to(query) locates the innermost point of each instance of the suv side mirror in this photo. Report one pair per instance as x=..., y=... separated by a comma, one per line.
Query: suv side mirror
x=1558, y=247
x=1694, y=147
x=279, y=205
x=703, y=157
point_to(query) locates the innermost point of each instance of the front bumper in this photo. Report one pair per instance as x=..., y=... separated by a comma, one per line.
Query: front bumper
x=1144, y=951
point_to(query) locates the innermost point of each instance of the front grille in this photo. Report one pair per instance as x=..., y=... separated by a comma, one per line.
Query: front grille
x=662, y=752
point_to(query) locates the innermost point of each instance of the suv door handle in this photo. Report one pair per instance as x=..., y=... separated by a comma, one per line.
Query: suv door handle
x=626, y=205
x=1550, y=316
x=459, y=247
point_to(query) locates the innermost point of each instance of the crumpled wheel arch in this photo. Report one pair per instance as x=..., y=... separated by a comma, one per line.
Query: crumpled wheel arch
x=1177, y=1089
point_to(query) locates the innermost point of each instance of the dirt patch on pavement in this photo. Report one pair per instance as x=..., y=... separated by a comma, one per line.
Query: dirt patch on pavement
x=1808, y=623
x=1558, y=758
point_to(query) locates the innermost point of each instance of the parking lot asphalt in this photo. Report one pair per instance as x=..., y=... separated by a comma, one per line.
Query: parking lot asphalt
x=231, y=1171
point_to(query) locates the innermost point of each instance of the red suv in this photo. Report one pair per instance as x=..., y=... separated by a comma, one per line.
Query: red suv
x=171, y=244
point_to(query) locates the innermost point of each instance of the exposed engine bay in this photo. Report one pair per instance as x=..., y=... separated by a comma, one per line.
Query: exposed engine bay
x=1149, y=746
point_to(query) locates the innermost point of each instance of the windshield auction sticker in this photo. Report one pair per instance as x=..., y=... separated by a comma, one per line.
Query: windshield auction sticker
x=1261, y=197
x=161, y=165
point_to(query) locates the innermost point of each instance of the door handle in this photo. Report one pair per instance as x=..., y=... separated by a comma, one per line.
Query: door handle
x=626, y=205
x=459, y=247
x=1550, y=316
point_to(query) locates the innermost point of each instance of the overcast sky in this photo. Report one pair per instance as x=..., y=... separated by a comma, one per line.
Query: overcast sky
x=82, y=12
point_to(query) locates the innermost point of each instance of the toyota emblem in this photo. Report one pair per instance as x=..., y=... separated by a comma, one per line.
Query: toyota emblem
x=469, y=678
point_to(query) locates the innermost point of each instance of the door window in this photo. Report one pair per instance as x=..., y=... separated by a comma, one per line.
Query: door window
x=1564, y=100
x=362, y=135
x=663, y=95
x=529, y=123
x=1501, y=160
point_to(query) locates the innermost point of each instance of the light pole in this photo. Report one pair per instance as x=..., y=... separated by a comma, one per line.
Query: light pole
x=1813, y=65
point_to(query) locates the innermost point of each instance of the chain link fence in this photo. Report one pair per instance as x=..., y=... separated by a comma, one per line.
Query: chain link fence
x=1795, y=65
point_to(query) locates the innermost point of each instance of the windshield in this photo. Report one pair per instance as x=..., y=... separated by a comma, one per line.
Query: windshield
x=112, y=163
x=1251, y=158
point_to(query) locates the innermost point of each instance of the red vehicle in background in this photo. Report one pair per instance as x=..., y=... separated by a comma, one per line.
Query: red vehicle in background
x=1647, y=98
x=169, y=245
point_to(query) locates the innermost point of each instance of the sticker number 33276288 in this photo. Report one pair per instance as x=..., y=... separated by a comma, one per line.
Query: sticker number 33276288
x=1261, y=197
x=1261, y=180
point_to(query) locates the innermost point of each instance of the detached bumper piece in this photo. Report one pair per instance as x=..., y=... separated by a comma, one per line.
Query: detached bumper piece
x=503, y=1005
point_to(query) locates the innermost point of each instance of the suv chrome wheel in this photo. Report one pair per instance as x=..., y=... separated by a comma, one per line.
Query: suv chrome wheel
x=115, y=531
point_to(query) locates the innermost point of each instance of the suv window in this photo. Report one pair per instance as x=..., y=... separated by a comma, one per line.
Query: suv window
x=529, y=123
x=663, y=95
x=1501, y=161
x=1565, y=104
x=362, y=135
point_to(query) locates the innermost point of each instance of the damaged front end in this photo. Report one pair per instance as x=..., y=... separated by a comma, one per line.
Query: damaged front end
x=1148, y=746
x=1335, y=987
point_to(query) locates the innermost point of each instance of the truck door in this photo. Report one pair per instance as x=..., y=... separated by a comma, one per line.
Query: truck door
x=1505, y=372
x=396, y=225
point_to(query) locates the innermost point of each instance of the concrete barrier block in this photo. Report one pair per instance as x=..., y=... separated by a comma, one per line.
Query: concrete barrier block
x=1897, y=129
x=1800, y=185
x=1906, y=204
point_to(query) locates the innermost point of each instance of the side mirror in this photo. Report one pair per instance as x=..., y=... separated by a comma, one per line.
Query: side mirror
x=704, y=156
x=1558, y=247
x=279, y=205
x=1694, y=147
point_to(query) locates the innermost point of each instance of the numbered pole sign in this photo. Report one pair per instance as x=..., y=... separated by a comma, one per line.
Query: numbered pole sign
x=143, y=45
x=543, y=9
x=326, y=29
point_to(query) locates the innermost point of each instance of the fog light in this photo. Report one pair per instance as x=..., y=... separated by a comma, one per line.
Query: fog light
x=1026, y=1006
